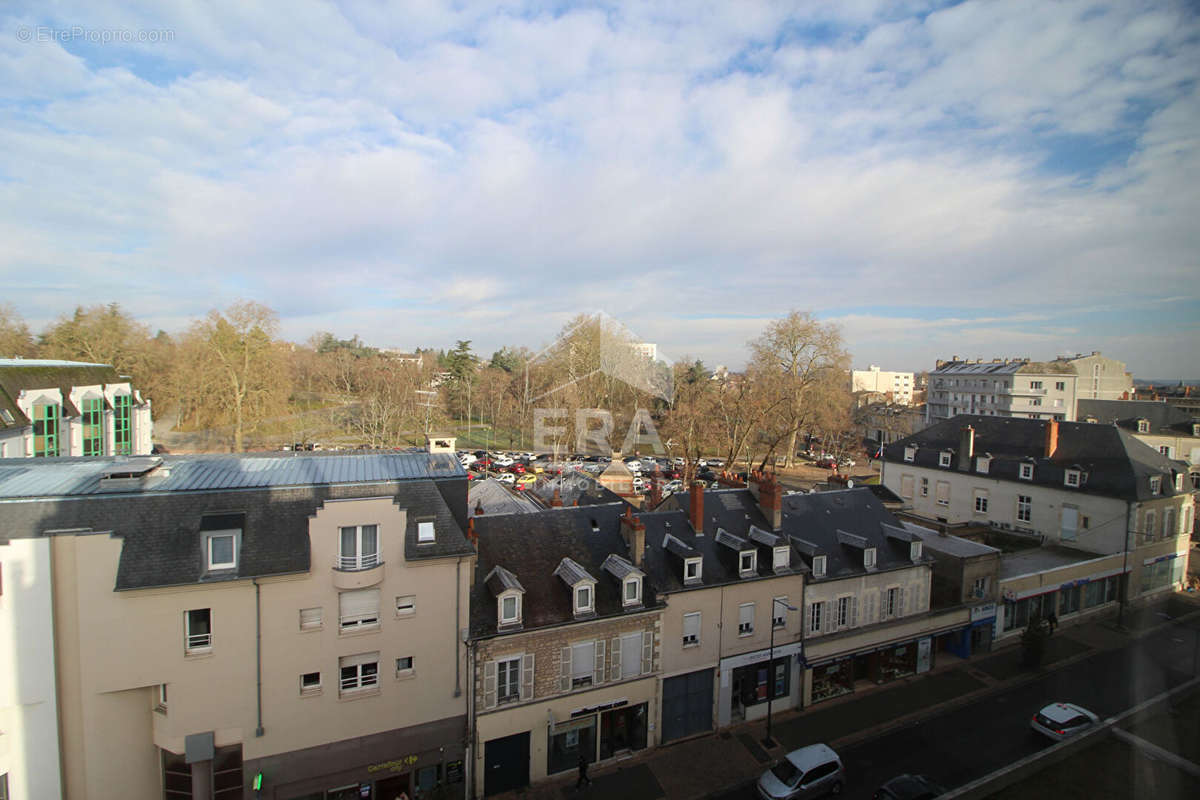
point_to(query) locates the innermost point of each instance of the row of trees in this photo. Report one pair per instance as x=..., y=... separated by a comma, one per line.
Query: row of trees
x=231, y=374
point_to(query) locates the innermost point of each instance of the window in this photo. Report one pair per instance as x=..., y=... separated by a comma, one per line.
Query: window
x=404, y=667
x=842, y=619
x=508, y=680
x=1026, y=472
x=633, y=591
x=628, y=656
x=893, y=603
x=691, y=629
x=979, y=587
x=906, y=486
x=1072, y=478
x=358, y=547
x=1156, y=485
x=406, y=605
x=981, y=501
x=1179, y=481
x=747, y=562
x=1035, y=384
x=161, y=704
x=310, y=619
x=310, y=684
x=814, y=617
x=943, y=493
x=691, y=570
x=1148, y=529
x=1024, y=508
x=818, y=566
x=914, y=550
x=221, y=547
x=358, y=672
x=123, y=425
x=45, y=430
x=1060, y=386
x=779, y=612
x=358, y=609
x=1168, y=523
x=745, y=619
x=425, y=532
x=983, y=464
x=910, y=453
x=198, y=630
x=924, y=487
x=781, y=558
x=1143, y=426
x=510, y=609
x=1037, y=401
x=944, y=459
x=93, y=426
x=583, y=663
x=869, y=558
x=583, y=599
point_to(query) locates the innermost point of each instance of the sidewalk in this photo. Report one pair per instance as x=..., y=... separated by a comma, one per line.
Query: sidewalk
x=712, y=764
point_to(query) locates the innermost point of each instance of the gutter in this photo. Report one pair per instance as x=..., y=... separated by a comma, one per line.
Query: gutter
x=258, y=731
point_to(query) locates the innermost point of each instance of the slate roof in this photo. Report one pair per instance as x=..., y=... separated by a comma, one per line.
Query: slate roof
x=532, y=546
x=576, y=488
x=29, y=374
x=1116, y=463
x=1164, y=418
x=496, y=498
x=955, y=546
x=161, y=528
x=1005, y=368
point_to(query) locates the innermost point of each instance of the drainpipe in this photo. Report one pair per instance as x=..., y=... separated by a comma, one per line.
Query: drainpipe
x=472, y=734
x=1125, y=566
x=457, y=620
x=258, y=651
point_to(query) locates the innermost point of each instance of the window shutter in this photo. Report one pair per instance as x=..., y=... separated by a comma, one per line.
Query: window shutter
x=310, y=618
x=828, y=612
x=615, y=667
x=647, y=652
x=564, y=670
x=900, y=593
x=598, y=672
x=361, y=604
x=872, y=606
x=527, y=676
x=854, y=611
x=489, y=684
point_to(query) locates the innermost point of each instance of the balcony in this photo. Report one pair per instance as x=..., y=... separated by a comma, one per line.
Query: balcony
x=1018, y=392
x=357, y=571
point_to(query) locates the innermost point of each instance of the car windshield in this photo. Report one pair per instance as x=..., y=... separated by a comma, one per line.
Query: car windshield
x=787, y=773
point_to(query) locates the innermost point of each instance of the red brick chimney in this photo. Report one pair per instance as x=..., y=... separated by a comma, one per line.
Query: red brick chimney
x=633, y=531
x=556, y=499
x=656, y=482
x=770, y=500
x=753, y=479
x=471, y=534
x=478, y=508
x=1051, y=438
x=696, y=506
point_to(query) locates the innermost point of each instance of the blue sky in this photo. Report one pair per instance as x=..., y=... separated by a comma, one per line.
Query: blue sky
x=980, y=179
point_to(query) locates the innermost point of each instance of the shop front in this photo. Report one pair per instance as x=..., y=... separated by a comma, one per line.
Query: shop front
x=597, y=734
x=749, y=680
x=975, y=638
x=833, y=680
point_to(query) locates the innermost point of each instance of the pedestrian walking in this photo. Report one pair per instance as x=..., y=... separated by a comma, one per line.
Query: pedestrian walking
x=1053, y=620
x=583, y=776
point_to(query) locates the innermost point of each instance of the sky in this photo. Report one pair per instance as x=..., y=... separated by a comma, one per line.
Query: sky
x=981, y=179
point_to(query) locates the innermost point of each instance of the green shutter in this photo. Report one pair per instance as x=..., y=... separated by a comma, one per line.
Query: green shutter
x=122, y=425
x=45, y=430
x=93, y=427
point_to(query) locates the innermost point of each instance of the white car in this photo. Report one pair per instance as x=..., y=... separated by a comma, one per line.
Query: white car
x=1061, y=720
x=678, y=461
x=468, y=459
x=634, y=464
x=811, y=771
x=507, y=477
x=638, y=483
x=503, y=461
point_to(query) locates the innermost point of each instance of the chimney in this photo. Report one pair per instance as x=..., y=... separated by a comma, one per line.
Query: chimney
x=696, y=506
x=556, y=499
x=471, y=534
x=752, y=481
x=633, y=531
x=770, y=500
x=1051, y=438
x=966, y=448
x=656, y=481
x=478, y=508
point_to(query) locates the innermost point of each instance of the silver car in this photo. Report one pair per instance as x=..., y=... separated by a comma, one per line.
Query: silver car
x=1060, y=720
x=811, y=771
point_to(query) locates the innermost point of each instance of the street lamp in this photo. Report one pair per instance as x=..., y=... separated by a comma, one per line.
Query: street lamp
x=768, y=741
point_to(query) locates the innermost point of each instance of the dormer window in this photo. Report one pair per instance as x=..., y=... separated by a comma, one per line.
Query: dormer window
x=508, y=592
x=1156, y=485
x=781, y=558
x=818, y=566
x=583, y=599
x=944, y=458
x=1072, y=478
x=983, y=464
x=221, y=548
x=1026, y=472
x=910, y=453
x=425, y=532
x=869, y=557
x=510, y=609
x=1179, y=481
x=1143, y=426
x=748, y=563
x=691, y=570
x=633, y=592
x=914, y=550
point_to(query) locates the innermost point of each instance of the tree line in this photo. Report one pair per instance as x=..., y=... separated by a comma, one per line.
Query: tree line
x=232, y=377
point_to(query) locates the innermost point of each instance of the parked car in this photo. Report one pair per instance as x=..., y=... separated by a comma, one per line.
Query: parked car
x=909, y=787
x=1061, y=720
x=467, y=459
x=638, y=483
x=525, y=481
x=716, y=462
x=673, y=486
x=633, y=463
x=507, y=477
x=811, y=771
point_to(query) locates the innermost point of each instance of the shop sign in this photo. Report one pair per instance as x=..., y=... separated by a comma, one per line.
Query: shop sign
x=454, y=771
x=983, y=612
x=395, y=765
x=579, y=712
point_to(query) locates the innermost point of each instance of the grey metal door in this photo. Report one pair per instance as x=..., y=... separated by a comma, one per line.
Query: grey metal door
x=506, y=764
x=687, y=705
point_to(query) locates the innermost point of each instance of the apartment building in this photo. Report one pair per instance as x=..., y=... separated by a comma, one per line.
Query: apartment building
x=897, y=386
x=1110, y=513
x=1101, y=378
x=1002, y=387
x=1167, y=428
x=565, y=630
x=70, y=408
x=277, y=626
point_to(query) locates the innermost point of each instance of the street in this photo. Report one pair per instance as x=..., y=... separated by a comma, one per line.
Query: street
x=968, y=742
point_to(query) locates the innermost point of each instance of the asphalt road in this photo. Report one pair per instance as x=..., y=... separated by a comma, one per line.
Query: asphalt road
x=968, y=742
